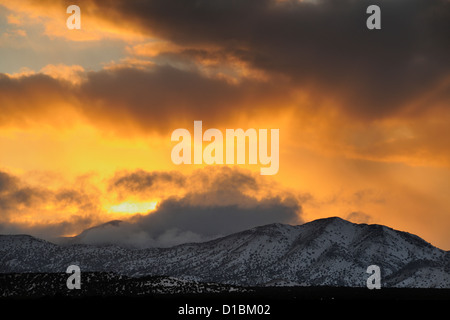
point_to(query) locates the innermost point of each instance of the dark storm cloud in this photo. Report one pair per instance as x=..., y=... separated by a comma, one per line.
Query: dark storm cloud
x=228, y=179
x=207, y=204
x=146, y=183
x=224, y=184
x=141, y=180
x=85, y=201
x=28, y=99
x=212, y=221
x=14, y=196
x=19, y=200
x=6, y=182
x=178, y=221
x=215, y=203
x=323, y=46
x=154, y=98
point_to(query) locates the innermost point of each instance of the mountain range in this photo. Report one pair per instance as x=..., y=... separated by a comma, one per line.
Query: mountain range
x=324, y=252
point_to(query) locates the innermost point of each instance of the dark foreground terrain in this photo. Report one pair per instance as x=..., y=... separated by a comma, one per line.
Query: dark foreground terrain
x=111, y=294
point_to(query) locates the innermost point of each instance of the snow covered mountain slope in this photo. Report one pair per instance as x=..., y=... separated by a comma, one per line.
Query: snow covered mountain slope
x=330, y=251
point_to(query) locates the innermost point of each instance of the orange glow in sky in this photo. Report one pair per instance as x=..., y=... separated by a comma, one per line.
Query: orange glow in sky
x=132, y=207
x=86, y=116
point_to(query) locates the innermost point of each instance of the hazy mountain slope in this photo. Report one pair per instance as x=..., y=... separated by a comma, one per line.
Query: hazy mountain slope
x=323, y=252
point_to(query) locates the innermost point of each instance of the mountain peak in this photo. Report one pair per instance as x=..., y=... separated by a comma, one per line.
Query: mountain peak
x=20, y=238
x=335, y=223
x=112, y=223
x=7, y=242
x=329, y=251
x=330, y=220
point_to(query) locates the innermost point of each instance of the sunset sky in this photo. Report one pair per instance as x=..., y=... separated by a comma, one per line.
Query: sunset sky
x=86, y=115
